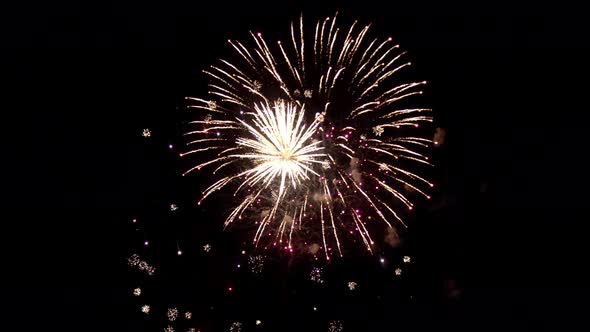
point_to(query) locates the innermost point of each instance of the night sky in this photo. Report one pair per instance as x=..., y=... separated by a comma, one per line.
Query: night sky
x=507, y=82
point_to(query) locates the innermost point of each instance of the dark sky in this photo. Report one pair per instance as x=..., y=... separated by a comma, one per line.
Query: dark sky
x=508, y=82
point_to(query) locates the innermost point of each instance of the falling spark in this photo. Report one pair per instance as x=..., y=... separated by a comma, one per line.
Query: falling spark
x=300, y=134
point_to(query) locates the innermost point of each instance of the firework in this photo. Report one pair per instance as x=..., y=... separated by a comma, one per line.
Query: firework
x=352, y=285
x=256, y=263
x=172, y=314
x=235, y=327
x=316, y=275
x=317, y=138
x=335, y=326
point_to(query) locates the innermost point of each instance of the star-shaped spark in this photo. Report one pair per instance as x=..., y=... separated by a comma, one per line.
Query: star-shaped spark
x=188, y=315
x=137, y=291
x=169, y=329
x=352, y=285
x=145, y=309
x=207, y=247
x=173, y=207
x=398, y=271
x=378, y=130
x=406, y=259
x=146, y=133
x=307, y=93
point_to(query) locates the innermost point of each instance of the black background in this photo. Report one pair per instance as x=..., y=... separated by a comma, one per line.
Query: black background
x=508, y=82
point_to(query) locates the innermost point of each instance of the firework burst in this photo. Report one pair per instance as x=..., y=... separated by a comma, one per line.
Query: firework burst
x=316, y=138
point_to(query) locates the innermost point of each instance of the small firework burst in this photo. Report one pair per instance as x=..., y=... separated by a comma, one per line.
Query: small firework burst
x=352, y=285
x=137, y=291
x=378, y=130
x=172, y=314
x=146, y=133
x=169, y=329
x=212, y=104
x=235, y=327
x=150, y=270
x=320, y=117
x=316, y=275
x=307, y=93
x=188, y=315
x=398, y=271
x=258, y=322
x=207, y=247
x=173, y=207
x=335, y=326
x=407, y=259
x=133, y=260
x=256, y=263
x=257, y=85
x=145, y=309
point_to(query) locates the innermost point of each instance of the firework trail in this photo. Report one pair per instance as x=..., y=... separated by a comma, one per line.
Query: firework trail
x=316, y=138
